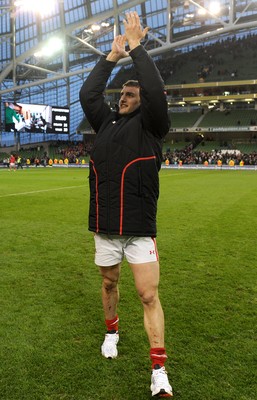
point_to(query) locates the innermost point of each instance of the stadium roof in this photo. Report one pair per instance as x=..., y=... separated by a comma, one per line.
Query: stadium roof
x=51, y=46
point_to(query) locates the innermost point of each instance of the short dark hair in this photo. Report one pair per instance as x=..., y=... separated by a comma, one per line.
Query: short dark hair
x=131, y=82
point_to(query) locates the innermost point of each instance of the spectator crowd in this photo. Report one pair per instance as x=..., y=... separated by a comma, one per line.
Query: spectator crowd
x=187, y=156
x=79, y=154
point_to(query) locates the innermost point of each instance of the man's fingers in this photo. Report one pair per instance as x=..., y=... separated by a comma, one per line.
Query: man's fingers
x=133, y=26
x=145, y=31
x=129, y=16
x=132, y=17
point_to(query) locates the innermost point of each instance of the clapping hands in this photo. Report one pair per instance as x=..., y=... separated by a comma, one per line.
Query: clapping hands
x=134, y=33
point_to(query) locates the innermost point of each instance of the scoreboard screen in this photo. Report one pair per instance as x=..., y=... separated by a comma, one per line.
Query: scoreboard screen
x=36, y=118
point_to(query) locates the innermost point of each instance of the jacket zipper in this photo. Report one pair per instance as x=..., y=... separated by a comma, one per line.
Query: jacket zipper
x=107, y=184
x=107, y=176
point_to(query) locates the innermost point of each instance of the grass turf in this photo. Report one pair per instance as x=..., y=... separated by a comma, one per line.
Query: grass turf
x=51, y=321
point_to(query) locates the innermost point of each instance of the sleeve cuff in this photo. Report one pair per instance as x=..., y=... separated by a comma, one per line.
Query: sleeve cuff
x=137, y=51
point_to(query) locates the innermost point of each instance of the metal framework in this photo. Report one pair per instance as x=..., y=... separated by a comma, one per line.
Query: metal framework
x=174, y=24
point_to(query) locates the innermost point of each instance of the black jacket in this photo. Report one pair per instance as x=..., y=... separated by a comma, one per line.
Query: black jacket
x=127, y=153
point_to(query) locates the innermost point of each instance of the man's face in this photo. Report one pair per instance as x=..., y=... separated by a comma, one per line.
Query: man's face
x=129, y=100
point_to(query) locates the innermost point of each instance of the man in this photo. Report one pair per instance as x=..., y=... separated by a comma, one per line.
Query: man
x=12, y=163
x=124, y=188
x=19, y=163
x=10, y=117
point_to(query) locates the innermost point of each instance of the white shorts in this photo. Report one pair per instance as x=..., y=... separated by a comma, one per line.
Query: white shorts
x=110, y=250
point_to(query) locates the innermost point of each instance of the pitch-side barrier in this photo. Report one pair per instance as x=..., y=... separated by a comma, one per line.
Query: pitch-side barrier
x=177, y=167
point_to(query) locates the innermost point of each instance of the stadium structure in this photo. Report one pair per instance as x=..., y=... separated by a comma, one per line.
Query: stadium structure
x=205, y=50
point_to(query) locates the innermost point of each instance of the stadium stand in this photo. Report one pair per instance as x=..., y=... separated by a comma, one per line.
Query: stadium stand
x=223, y=60
x=184, y=119
x=229, y=117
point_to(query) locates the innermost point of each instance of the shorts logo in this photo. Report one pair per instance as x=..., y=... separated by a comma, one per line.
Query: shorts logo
x=152, y=251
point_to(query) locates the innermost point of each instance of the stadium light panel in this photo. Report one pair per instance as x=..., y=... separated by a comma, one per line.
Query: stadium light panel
x=201, y=11
x=52, y=46
x=95, y=27
x=214, y=7
x=31, y=5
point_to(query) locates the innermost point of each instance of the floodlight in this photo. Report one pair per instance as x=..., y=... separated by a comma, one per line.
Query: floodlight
x=95, y=27
x=54, y=45
x=32, y=5
x=201, y=11
x=214, y=7
x=38, y=54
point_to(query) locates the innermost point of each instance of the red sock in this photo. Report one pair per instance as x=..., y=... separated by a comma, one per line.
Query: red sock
x=112, y=324
x=158, y=356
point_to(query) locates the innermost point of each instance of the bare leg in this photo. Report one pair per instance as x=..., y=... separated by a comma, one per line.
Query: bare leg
x=110, y=298
x=110, y=290
x=146, y=278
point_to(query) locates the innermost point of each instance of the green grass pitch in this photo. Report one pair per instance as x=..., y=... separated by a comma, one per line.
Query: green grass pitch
x=51, y=320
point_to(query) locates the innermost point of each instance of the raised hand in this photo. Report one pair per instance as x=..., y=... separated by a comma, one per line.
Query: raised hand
x=118, y=49
x=133, y=30
x=118, y=45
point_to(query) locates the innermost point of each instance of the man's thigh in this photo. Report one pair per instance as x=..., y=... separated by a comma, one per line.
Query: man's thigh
x=146, y=277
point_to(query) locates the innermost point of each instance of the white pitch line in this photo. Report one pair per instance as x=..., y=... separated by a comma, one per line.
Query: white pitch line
x=41, y=191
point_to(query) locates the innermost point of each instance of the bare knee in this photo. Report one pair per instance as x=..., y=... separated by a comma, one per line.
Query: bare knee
x=148, y=297
x=110, y=278
x=146, y=278
x=109, y=284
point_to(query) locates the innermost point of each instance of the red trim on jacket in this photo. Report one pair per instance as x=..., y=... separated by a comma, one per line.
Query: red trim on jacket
x=122, y=186
x=96, y=195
